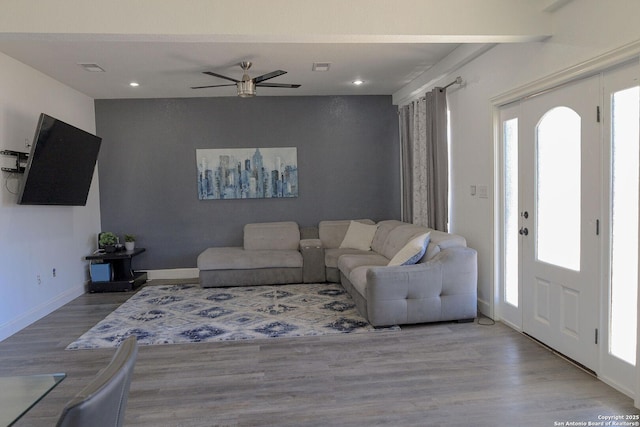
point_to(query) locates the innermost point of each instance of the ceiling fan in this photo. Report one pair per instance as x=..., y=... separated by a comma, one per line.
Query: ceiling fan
x=247, y=86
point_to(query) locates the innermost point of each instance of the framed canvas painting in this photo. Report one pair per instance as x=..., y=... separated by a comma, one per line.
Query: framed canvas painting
x=247, y=173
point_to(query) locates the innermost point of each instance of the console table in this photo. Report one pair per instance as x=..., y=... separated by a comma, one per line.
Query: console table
x=123, y=277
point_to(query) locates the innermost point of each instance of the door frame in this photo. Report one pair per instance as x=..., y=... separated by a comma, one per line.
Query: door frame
x=599, y=64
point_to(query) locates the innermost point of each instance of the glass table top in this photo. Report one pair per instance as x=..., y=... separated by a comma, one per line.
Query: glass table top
x=19, y=394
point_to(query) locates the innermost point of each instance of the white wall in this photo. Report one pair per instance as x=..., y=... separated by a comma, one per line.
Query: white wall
x=36, y=239
x=583, y=30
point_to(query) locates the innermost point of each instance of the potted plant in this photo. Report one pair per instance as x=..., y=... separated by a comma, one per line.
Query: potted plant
x=108, y=241
x=129, y=242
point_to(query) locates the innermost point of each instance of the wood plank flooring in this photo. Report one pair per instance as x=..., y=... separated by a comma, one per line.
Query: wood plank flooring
x=429, y=375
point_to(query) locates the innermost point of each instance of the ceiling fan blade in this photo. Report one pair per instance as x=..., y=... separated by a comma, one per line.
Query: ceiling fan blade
x=292, y=86
x=268, y=76
x=220, y=76
x=203, y=87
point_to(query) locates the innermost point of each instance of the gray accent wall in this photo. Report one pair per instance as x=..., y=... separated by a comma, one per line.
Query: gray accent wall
x=348, y=163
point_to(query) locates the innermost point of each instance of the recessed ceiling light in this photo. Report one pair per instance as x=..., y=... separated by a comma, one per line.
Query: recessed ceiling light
x=92, y=68
x=321, y=66
x=134, y=84
x=358, y=82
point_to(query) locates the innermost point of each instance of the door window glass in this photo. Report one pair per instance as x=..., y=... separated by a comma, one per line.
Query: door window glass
x=558, y=188
x=624, y=225
x=511, y=242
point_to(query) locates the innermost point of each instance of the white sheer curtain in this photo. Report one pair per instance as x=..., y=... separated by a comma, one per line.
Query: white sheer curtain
x=413, y=125
x=425, y=169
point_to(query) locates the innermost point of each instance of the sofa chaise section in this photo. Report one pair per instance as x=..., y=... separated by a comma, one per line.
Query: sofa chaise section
x=270, y=255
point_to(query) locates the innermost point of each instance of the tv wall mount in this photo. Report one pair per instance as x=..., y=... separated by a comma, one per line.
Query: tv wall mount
x=21, y=160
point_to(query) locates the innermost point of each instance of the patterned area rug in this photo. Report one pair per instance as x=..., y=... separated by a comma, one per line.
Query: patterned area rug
x=188, y=313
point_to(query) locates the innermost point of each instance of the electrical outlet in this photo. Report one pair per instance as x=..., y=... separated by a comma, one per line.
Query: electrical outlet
x=39, y=279
x=54, y=272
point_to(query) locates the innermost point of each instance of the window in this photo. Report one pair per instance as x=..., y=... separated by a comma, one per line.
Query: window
x=624, y=224
x=558, y=188
x=511, y=241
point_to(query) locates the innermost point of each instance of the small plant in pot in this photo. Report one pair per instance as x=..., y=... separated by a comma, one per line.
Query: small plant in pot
x=108, y=241
x=129, y=242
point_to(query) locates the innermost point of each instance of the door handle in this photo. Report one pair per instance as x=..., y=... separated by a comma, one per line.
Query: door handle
x=524, y=231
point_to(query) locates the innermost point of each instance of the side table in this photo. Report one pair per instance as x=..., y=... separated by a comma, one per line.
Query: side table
x=123, y=277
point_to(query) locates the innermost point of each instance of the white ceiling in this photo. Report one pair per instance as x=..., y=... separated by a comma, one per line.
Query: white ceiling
x=169, y=69
x=388, y=44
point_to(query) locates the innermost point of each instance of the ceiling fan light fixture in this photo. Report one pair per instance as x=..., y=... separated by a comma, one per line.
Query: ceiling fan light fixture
x=247, y=86
x=246, y=89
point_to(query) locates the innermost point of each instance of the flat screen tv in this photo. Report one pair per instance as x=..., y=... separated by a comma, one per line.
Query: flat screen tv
x=60, y=165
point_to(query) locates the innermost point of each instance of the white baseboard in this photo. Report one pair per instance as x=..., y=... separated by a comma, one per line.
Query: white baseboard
x=17, y=324
x=173, y=273
x=485, y=308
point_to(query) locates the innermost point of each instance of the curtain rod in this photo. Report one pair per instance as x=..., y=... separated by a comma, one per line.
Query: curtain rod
x=457, y=81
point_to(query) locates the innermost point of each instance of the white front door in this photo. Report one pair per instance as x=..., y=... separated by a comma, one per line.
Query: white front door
x=559, y=208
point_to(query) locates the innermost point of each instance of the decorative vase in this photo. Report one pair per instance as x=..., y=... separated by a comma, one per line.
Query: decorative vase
x=129, y=245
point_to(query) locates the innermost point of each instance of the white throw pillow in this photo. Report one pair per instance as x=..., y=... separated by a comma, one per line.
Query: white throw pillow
x=413, y=251
x=359, y=236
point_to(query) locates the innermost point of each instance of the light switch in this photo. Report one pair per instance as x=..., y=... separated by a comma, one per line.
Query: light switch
x=473, y=190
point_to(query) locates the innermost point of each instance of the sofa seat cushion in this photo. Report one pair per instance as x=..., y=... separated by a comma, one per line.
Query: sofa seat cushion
x=349, y=262
x=235, y=258
x=331, y=256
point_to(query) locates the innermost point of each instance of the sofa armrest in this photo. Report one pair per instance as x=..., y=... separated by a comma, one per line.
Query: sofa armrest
x=454, y=270
x=443, y=288
x=313, y=270
x=459, y=270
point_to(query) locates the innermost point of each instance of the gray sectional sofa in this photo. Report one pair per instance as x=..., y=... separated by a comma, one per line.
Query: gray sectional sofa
x=441, y=286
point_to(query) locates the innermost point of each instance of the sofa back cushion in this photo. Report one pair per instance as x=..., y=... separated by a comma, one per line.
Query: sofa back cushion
x=332, y=233
x=382, y=233
x=441, y=240
x=272, y=235
x=399, y=237
x=392, y=235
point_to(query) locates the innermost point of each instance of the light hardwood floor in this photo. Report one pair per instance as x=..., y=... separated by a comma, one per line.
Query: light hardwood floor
x=429, y=375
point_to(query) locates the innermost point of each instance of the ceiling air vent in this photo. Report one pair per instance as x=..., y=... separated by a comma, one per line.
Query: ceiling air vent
x=93, y=68
x=321, y=66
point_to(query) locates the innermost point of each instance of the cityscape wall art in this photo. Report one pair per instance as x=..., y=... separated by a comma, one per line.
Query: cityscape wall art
x=247, y=173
